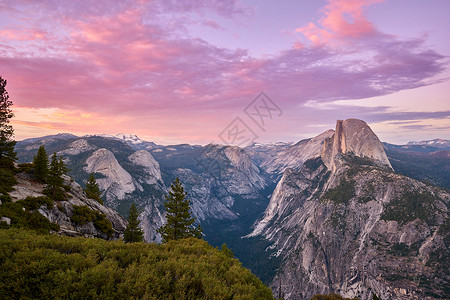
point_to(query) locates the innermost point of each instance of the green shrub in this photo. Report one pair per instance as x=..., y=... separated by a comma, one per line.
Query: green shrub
x=83, y=214
x=56, y=267
x=33, y=203
x=26, y=218
x=102, y=223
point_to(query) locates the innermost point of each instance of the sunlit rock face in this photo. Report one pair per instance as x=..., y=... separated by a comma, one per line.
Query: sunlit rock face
x=117, y=182
x=353, y=136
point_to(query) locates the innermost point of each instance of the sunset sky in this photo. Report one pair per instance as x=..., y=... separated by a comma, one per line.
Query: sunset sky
x=183, y=71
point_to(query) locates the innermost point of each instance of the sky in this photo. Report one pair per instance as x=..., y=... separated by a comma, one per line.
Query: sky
x=230, y=72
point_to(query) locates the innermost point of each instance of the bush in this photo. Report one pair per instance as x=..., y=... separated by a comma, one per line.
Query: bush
x=33, y=203
x=83, y=214
x=21, y=218
x=56, y=267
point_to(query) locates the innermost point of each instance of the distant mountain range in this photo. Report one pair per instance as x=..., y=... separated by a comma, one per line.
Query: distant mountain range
x=340, y=212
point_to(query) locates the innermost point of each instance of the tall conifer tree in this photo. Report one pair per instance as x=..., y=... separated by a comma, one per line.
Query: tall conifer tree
x=133, y=232
x=7, y=154
x=40, y=162
x=179, y=220
x=92, y=189
x=55, y=182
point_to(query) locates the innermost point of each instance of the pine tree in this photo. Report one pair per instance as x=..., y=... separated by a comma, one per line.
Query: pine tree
x=133, y=232
x=92, y=189
x=179, y=220
x=55, y=182
x=40, y=163
x=7, y=154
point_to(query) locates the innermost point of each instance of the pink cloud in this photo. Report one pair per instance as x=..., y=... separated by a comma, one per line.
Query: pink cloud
x=342, y=19
x=128, y=59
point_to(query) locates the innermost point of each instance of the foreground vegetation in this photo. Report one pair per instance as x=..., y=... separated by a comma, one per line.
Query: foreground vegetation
x=50, y=266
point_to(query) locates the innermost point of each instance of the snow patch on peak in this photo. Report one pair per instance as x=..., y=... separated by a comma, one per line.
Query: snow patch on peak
x=131, y=138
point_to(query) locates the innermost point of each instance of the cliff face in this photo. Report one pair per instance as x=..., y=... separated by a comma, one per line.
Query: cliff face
x=348, y=224
x=353, y=136
x=223, y=174
x=276, y=158
x=62, y=213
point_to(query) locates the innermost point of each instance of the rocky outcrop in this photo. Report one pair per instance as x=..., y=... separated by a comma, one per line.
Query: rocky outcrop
x=151, y=166
x=77, y=147
x=353, y=136
x=117, y=182
x=62, y=211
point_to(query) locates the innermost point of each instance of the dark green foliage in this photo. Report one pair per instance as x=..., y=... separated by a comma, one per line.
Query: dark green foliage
x=5, y=198
x=367, y=194
x=40, y=162
x=179, y=220
x=227, y=251
x=133, y=232
x=33, y=203
x=92, y=189
x=375, y=297
x=7, y=181
x=55, y=182
x=313, y=163
x=409, y=206
x=331, y=296
x=7, y=153
x=28, y=218
x=341, y=193
x=83, y=214
x=54, y=267
x=26, y=168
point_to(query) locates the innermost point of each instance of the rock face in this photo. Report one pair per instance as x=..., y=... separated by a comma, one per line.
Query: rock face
x=151, y=166
x=117, y=181
x=223, y=174
x=77, y=147
x=62, y=212
x=276, y=158
x=353, y=136
x=354, y=227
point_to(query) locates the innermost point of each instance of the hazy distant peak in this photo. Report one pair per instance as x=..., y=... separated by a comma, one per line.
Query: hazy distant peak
x=438, y=143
